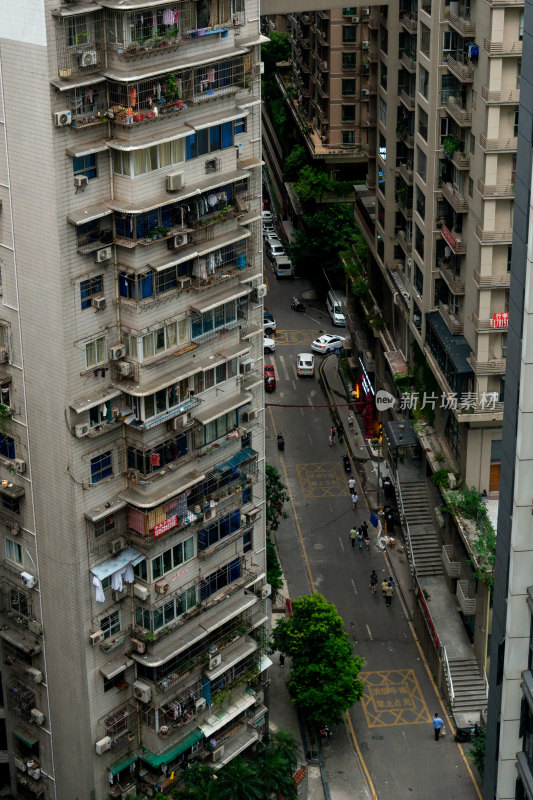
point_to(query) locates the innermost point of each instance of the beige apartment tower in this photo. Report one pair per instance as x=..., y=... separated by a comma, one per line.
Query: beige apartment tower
x=133, y=589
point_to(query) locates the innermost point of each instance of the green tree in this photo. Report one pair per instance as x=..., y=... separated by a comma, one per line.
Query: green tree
x=313, y=184
x=277, y=496
x=272, y=52
x=239, y=780
x=326, y=233
x=294, y=162
x=477, y=751
x=323, y=680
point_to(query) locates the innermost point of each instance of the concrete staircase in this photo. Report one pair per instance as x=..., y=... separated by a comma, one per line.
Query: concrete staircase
x=469, y=688
x=424, y=541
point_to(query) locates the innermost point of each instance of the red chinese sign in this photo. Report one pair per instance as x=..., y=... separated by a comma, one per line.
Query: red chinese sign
x=500, y=319
x=167, y=525
x=452, y=241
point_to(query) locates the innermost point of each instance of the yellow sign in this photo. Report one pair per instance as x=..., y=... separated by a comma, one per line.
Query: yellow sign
x=393, y=697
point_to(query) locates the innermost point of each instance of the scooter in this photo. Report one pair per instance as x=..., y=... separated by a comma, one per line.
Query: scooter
x=297, y=305
x=281, y=442
x=346, y=463
x=467, y=734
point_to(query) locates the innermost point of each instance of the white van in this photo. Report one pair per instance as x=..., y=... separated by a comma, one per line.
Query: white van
x=335, y=303
x=283, y=267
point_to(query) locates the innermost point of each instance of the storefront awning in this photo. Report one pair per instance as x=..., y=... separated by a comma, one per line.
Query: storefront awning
x=118, y=562
x=207, y=415
x=24, y=736
x=209, y=303
x=114, y=769
x=115, y=667
x=156, y=759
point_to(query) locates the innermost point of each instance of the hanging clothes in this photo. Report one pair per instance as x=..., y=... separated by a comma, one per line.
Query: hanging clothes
x=116, y=580
x=128, y=574
x=155, y=459
x=211, y=75
x=133, y=96
x=100, y=596
x=168, y=16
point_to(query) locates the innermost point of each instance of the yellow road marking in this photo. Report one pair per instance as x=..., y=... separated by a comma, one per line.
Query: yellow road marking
x=393, y=697
x=322, y=480
x=360, y=756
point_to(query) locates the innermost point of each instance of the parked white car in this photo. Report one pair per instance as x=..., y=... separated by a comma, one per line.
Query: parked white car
x=305, y=365
x=326, y=343
x=269, y=345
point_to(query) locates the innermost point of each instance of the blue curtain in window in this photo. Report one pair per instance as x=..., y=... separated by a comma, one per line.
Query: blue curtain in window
x=7, y=446
x=235, y=520
x=181, y=445
x=147, y=285
x=167, y=216
x=224, y=72
x=203, y=142
x=234, y=570
x=202, y=539
x=224, y=527
x=246, y=497
x=215, y=138
x=227, y=134
x=146, y=223
x=123, y=284
x=196, y=326
x=190, y=147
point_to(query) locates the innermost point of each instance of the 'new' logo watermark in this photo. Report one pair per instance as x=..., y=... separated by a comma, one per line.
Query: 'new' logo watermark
x=384, y=400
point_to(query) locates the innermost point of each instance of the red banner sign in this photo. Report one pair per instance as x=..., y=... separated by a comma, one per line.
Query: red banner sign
x=452, y=241
x=167, y=525
x=500, y=319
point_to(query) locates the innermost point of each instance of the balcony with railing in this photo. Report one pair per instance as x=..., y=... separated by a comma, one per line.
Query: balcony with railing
x=506, y=3
x=452, y=568
x=460, y=66
x=405, y=243
x=495, y=190
x=453, y=321
x=79, y=41
x=503, y=144
x=513, y=48
x=406, y=172
x=459, y=113
x=466, y=597
x=462, y=23
x=493, y=366
x=456, y=199
x=408, y=61
x=487, y=324
x=461, y=159
x=494, y=237
x=454, y=239
x=410, y=22
x=451, y=277
x=407, y=100
x=500, y=97
x=492, y=280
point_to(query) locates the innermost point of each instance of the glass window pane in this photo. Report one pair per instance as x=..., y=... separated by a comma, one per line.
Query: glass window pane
x=164, y=155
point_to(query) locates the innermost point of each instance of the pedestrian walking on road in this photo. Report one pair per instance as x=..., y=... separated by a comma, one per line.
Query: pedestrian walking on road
x=390, y=580
x=353, y=535
x=388, y=591
x=330, y=440
x=360, y=539
x=281, y=660
x=350, y=421
x=351, y=485
x=366, y=540
x=355, y=498
x=373, y=581
x=333, y=433
x=340, y=431
x=437, y=725
x=364, y=526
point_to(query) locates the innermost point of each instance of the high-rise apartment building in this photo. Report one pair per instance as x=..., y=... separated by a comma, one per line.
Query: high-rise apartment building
x=131, y=448
x=439, y=212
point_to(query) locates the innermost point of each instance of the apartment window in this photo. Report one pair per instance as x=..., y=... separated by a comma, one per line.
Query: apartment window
x=348, y=137
x=382, y=111
x=349, y=33
x=383, y=37
x=381, y=214
x=219, y=317
x=153, y=620
x=515, y=128
x=380, y=246
x=448, y=88
x=349, y=12
x=96, y=352
x=470, y=187
x=421, y=163
x=419, y=243
x=422, y=123
x=348, y=86
x=348, y=61
x=348, y=113
x=7, y=446
x=90, y=288
x=419, y=280
x=382, y=147
x=219, y=529
x=239, y=126
x=85, y=165
x=417, y=318
x=425, y=40
x=218, y=427
x=382, y=74
x=509, y=257
x=209, y=140
x=105, y=525
x=172, y=558
x=448, y=43
x=521, y=27
x=426, y=6
x=14, y=552
x=423, y=81
x=101, y=467
x=420, y=202
x=247, y=542
x=18, y=602
x=471, y=143
x=110, y=625
x=223, y=576
x=518, y=72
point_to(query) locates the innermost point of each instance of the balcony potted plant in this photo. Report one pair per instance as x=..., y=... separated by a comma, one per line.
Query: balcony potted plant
x=160, y=231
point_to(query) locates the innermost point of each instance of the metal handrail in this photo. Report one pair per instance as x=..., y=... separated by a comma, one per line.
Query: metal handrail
x=406, y=525
x=448, y=674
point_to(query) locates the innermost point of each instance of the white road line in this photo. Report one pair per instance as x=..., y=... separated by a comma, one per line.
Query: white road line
x=341, y=544
x=353, y=584
x=369, y=633
x=309, y=437
x=294, y=387
x=301, y=409
x=284, y=367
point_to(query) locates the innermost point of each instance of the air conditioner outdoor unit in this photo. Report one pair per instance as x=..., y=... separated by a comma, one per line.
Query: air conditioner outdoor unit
x=265, y=591
x=13, y=528
x=4, y=355
x=200, y=705
x=37, y=717
x=103, y=745
x=261, y=291
x=142, y=691
x=180, y=239
x=96, y=637
x=98, y=302
x=162, y=586
x=103, y=255
x=119, y=594
x=138, y=646
x=215, y=661
x=118, y=544
x=19, y=764
x=34, y=772
x=34, y=674
x=140, y=591
x=248, y=416
x=117, y=351
x=19, y=465
x=62, y=118
x=175, y=182
x=247, y=366
x=28, y=580
x=355, y=20
x=209, y=514
x=217, y=753
x=365, y=92
x=251, y=516
x=259, y=698
x=81, y=181
x=124, y=368
x=89, y=58
x=81, y=430
x=365, y=45
x=365, y=12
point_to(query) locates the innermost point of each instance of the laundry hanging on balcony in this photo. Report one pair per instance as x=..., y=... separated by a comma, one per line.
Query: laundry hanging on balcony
x=119, y=569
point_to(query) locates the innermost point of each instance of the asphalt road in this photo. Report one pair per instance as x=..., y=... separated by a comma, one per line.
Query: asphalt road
x=392, y=725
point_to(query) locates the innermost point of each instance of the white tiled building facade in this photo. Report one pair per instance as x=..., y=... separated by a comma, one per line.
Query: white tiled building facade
x=132, y=568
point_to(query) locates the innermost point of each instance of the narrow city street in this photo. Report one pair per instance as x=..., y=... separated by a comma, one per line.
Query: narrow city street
x=391, y=729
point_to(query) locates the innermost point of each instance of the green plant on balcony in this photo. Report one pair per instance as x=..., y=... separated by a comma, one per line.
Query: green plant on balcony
x=222, y=697
x=439, y=457
x=160, y=230
x=441, y=478
x=172, y=92
x=360, y=287
x=5, y=414
x=150, y=637
x=469, y=504
x=376, y=322
x=450, y=144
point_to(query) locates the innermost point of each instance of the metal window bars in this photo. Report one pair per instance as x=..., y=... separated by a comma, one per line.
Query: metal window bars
x=134, y=33
x=20, y=699
x=80, y=46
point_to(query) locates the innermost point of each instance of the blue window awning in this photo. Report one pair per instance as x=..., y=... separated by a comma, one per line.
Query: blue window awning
x=118, y=562
x=156, y=759
x=238, y=458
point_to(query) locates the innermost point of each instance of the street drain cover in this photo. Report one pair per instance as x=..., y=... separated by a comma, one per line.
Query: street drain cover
x=379, y=738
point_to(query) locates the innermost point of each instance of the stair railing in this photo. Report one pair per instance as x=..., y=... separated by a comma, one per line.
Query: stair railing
x=448, y=675
x=405, y=526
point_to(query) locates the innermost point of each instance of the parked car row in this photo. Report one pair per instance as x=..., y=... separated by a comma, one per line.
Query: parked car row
x=275, y=251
